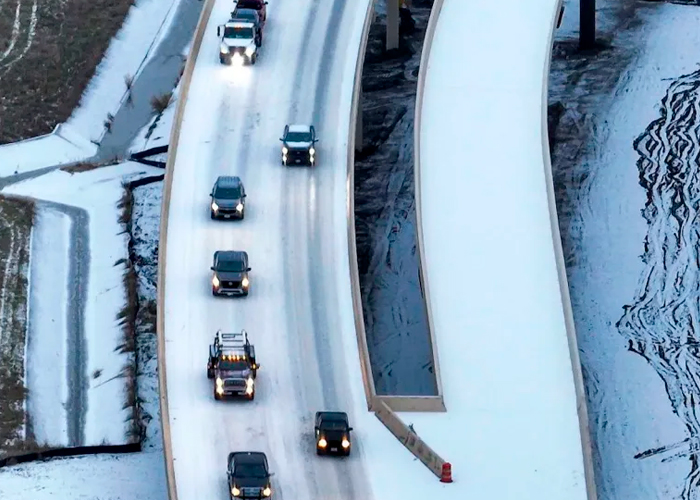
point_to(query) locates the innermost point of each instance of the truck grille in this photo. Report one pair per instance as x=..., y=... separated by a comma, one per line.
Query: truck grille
x=234, y=383
x=232, y=284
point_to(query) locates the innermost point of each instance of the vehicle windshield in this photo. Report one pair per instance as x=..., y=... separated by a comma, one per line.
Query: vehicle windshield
x=227, y=193
x=298, y=137
x=247, y=14
x=333, y=425
x=250, y=470
x=238, y=32
x=231, y=266
x=233, y=365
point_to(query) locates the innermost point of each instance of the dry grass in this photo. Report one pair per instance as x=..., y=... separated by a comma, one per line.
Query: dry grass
x=127, y=318
x=45, y=84
x=16, y=220
x=161, y=102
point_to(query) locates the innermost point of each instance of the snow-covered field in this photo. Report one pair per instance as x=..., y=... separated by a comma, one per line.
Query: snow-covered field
x=139, y=476
x=146, y=24
x=113, y=477
x=91, y=272
x=636, y=317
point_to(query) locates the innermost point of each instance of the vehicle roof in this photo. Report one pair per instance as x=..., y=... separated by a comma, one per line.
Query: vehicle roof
x=240, y=24
x=334, y=415
x=297, y=127
x=231, y=255
x=228, y=180
x=248, y=457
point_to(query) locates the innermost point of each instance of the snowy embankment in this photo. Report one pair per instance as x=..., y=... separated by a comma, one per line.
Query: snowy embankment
x=99, y=377
x=145, y=26
x=636, y=317
x=490, y=260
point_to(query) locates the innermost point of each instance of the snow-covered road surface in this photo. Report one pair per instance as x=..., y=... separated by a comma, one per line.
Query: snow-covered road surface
x=490, y=260
x=295, y=232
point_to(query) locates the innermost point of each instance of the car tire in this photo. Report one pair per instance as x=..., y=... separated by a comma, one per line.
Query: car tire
x=245, y=294
x=212, y=215
x=243, y=215
x=213, y=292
x=319, y=452
x=210, y=373
x=254, y=59
x=216, y=396
x=252, y=396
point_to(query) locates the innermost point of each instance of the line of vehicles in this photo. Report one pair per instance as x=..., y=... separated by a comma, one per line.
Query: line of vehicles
x=232, y=364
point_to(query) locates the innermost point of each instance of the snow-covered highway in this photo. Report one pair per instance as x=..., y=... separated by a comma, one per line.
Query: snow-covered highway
x=497, y=292
x=299, y=312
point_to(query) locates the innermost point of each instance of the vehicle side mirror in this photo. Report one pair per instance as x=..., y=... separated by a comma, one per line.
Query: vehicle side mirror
x=271, y=473
x=282, y=139
x=212, y=268
x=349, y=429
x=257, y=366
x=244, y=195
x=248, y=270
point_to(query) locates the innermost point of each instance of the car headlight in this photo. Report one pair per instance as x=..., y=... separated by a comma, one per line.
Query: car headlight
x=224, y=48
x=214, y=206
x=250, y=50
x=219, y=382
x=312, y=151
x=284, y=150
x=250, y=382
x=345, y=443
x=215, y=281
x=267, y=491
x=235, y=491
x=245, y=282
x=239, y=207
x=322, y=443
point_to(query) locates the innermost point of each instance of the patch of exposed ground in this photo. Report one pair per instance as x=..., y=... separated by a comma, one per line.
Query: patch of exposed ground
x=49, y=50
x=16, y=220
x=579, y=84
x=394, y=308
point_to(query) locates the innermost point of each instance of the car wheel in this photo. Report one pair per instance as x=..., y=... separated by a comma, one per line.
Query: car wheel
x=245, y=294
x=210, y=373
x=254, y=59
x=252, y=396
x=216, y=396
x=319, y=452
x=243, y=215
x=212, y=215
x=213, y=292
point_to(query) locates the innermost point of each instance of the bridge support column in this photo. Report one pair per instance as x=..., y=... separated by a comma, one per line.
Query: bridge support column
x=392, y=24
x=359, y=132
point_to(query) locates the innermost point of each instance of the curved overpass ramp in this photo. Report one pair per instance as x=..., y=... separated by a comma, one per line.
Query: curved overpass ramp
x=491, y=255
x=299, y=313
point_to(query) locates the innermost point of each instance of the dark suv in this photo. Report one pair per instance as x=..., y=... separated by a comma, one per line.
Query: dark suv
x=227, y=198
x=248, y=475
x=298, y=145
x=250, y=16
x=231, y=270
x=332, y=431
x=258, y=5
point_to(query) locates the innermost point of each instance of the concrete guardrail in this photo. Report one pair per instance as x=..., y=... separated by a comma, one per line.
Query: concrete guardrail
x=163, y=240
x=581, y=403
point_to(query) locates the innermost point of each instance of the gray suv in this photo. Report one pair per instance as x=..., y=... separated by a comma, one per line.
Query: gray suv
x=230, y=276
x=227, y=198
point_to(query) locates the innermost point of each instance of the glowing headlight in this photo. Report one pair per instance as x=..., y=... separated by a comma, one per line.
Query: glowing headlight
x=249, y=382
x=322, y=443
x=224, y=48
x=284, y=150
x=214, y=206
x=345, y=443
x=312, y=151
x=235, y=491
x=250, y=51
x=245, y=282
x=219, y=382
x=267, y=491
x=239, y=207
x=215, y=281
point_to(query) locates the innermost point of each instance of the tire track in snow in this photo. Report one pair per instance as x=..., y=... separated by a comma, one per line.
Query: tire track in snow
x=31, y=31
x=663, y=322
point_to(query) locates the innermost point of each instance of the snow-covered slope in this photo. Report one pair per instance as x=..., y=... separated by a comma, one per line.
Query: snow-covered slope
x=511, y=429
x=294, y=232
